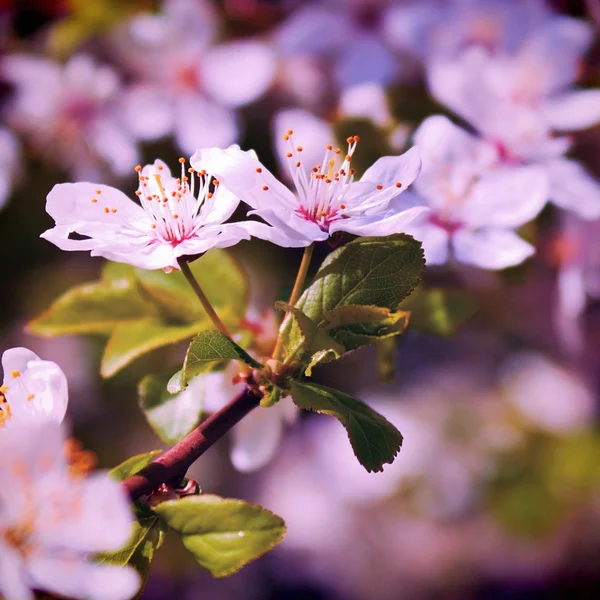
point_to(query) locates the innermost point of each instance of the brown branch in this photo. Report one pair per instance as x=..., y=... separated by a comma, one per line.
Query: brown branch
x=175, y=462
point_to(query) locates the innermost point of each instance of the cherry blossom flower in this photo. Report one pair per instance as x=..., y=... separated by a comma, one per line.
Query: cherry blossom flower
x=475, y=205
x=69, y=113
x=519, y=101
x=50, y=521
x=185, y=84
x=173, y=218
x=429, y=29
x=9, y=164
x=32, y=389
x=327, y=199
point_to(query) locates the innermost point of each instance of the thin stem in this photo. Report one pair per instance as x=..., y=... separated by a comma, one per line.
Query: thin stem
x=210, y=311
x=296, y=291
x=176, y=461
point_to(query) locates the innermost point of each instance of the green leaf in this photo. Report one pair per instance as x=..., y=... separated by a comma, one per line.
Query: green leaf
x=439, y=311
x=208, y=347
x=377, y=271
x=222, y=534
x=133, y=465
x=271, y=398
x=131, y=340
x=221, y=279
x=171, y=416
x=374, y=439
x=95, y=308
x=146, y=538
x=313, y=344
x=356, y=326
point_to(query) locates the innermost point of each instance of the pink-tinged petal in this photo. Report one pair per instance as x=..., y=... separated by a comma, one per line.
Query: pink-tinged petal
x=555, y=49
x=96, y=516
x=381, y=225
x=490, y=248
x=150, y=256
x=311, y=132
x=367, y=101
x=256, y=439
x=435, y=241
x=242, y=174
x=148, y=111
x=573, y=188
x=200, y=123
x=239, y=72
x=115, y=144
x=13, y=581
x=36, y=388
x=220, y=207
x=390, y=170
x=279, y=233
x=507, y=198
x=69, y=576
x=573, y=110
x=70, y=203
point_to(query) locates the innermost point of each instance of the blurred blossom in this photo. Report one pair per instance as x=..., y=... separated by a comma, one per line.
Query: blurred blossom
x=577, y=251
x=326, y=200
x=547, y=395
x=430, y=29
x=9, y=164
x=518, y=101
x=70, y=113
x=50, y=521
x=173, y=218
x=32, y=389
x=257, y=437
x=475, y=203
x=345, y=37
x=366, y=101
x=182, y=82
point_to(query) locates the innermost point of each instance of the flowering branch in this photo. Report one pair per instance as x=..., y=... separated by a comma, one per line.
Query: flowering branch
x=175, y=462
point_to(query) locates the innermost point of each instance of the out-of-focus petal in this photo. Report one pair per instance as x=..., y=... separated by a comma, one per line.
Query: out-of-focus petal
x=148, y=111
x=573, y=110
x=435, y=241
x=381, y=225
x=239, y=72
x=490, y=248
x=390, y=170
x=573, y=188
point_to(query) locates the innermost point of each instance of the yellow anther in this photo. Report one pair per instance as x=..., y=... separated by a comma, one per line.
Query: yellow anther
x=30, y=397
x=16, y=374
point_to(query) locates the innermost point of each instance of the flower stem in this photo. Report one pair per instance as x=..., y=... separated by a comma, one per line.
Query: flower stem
x=296, y=291
x=210, y=311
x=176, y=461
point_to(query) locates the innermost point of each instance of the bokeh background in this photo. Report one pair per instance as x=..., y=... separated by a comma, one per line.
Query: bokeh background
x=496, y=493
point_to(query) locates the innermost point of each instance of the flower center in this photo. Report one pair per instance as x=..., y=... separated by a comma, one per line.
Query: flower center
x=322, y=191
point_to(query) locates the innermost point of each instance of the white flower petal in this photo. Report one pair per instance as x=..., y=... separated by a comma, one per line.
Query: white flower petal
x=69, y=576
x=490, y=248
x=256, y=438
x=573, y=110
x=12, y=580
x=389, y=170
x=312, y=133
x=200, y=123
x=239, y=72
x=435, y=241
x=507, y=198
x=367, y=101
x=147, y=111
x=384, y=224
x=573, y=188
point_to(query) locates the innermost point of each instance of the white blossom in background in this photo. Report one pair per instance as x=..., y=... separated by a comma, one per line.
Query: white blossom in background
x=343, y=38
x=547, y=395
x=519, y=101
x=476, y=203
x=9, y=164
x=52, y=522
x=32, y=390
x=430, y=29
x=185, y=84
x=326, y=198
x=70, y=114
x=175, y=217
